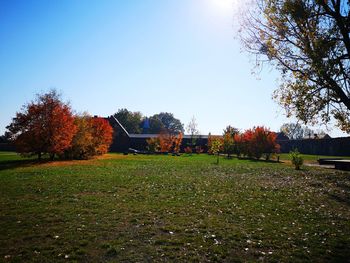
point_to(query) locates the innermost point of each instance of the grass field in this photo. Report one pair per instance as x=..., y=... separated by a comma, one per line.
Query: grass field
x=164, y=208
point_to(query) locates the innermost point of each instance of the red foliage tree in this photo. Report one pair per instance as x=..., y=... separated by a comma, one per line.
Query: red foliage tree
x=239, y=145
x=45, y=125
x=258, y=141
x=271, y=146
x=247, y=143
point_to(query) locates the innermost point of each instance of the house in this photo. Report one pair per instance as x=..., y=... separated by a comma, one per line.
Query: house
x=123, y=140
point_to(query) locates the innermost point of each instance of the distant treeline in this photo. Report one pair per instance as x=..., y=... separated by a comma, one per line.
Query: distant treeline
x=136, y=122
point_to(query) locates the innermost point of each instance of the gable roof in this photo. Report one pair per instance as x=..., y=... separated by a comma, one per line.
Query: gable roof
x=119, y=124
x=146, y=136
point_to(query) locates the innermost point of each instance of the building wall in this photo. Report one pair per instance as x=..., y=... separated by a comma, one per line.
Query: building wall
x=333, y=146
x=141, y=143
x=120, y=143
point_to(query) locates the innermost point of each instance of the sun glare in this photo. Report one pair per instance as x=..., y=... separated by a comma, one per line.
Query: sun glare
x=225, y=5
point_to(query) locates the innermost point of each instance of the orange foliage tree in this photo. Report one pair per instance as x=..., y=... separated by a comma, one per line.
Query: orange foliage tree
x=102, y=133
x=165, y=141
x=169, y=142
x=45, y=125
x=93, y=137
x=177, y=142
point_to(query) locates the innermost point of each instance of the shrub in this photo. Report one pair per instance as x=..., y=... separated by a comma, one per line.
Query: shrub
x=188, y=150
x=296, y=159
x=199, y=149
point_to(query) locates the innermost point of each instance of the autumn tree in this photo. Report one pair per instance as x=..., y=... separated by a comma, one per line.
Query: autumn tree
x=93, y=137
x=270, y=145
x=239, y=144
x=177, y=142
x=260, y=141
x=247, y=147
x=211, y=139
x=308, y=41
x=228, y=144
x=216, y=147
x=43, y=126
x=231, y=130
x=102, y=134
x=228, y=140
x=82, y=140
x=166, y=141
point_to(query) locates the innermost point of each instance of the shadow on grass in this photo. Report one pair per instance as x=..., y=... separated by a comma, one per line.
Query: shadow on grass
x=259, y=160
x=343, y=188
x=13, y=164
x=345, y=199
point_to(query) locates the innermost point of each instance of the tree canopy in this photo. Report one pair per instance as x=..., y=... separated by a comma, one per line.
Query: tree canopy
x=155, y=125
x=48, y=126
x=308, y=41
x=169, y=122
x=296, y=131
x=45, y=125
x=93, y=137
x=130, y=120
x=134, y=122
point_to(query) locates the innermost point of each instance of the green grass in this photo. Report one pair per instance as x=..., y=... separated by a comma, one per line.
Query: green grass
x=165, y=208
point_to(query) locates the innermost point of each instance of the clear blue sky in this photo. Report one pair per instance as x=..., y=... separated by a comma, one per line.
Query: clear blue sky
x=178, y=56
